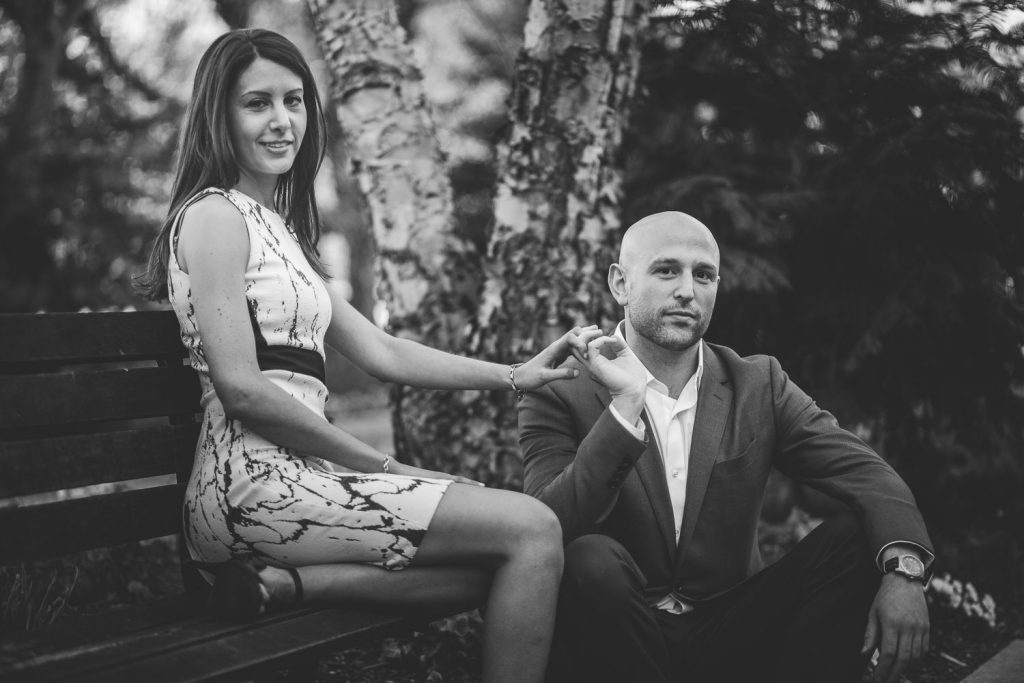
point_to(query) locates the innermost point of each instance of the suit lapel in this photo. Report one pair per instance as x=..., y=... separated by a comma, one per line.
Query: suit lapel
x=650, y=468
x=713, y=402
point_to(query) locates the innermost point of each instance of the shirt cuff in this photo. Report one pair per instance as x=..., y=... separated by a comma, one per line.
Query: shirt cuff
x=926, y=556
x=638, y=431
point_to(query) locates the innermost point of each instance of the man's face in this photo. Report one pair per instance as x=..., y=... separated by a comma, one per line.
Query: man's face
x=667, y=281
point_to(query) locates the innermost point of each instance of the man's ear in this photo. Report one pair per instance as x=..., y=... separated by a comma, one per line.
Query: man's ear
x=617, y=284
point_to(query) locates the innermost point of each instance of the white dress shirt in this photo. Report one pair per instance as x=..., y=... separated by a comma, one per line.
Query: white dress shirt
x=671, y=421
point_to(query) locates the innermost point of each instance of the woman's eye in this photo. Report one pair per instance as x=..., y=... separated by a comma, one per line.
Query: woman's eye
x=256, y=104
x=293, y=101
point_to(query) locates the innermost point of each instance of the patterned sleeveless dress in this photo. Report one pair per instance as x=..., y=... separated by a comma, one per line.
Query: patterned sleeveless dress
x=249, y=496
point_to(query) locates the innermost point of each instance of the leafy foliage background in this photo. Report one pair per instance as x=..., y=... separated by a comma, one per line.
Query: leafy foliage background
x=861, y=163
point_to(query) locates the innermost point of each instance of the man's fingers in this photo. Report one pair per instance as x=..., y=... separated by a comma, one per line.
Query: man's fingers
x=575, y=341
x=884, y=665
x=870, y=635
x=581, y=338
x=616, y=344
x=915, y=646
x=887, y=653
x=902, y=657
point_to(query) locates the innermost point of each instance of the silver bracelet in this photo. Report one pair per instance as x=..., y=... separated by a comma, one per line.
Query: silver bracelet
x=512, y=380
x=384, y=465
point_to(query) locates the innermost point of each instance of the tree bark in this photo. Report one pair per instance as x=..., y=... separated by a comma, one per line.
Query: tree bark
x=556, y=207
x=556, y=216
x=393, y=149
x=557, y=203
x=558, y=198
x=427, y=274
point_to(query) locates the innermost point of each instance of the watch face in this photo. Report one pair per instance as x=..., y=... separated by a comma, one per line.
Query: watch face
x=911, y=565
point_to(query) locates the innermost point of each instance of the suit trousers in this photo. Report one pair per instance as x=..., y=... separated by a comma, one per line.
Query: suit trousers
x=800, y=619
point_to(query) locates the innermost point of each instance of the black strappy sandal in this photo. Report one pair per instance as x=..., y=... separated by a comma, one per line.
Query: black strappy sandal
x=237, y=590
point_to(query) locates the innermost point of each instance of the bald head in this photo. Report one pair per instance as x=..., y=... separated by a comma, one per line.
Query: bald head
x=652, y=233
x=667, y=281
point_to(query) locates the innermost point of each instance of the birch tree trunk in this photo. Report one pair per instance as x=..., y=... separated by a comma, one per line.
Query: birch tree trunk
x=428, y=275
x=556, y=207
x=557, y=203
x=390, y=137
x=558, y=199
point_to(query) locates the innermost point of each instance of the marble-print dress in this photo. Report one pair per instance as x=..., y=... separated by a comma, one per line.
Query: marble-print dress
x=249, y=496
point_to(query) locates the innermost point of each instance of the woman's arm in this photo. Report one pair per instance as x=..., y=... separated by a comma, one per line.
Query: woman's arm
x=404, y=361
x=213, y=248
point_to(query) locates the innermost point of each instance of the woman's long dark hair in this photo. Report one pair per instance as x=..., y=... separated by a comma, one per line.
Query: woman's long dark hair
x=206, y=157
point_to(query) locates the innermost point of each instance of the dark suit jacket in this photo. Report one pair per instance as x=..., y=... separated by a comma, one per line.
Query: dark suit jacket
x=750, y=417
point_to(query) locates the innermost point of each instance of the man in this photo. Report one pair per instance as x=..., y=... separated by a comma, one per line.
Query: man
x=657, y=470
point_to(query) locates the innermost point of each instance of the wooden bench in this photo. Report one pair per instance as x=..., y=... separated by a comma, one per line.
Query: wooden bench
x=88, y=400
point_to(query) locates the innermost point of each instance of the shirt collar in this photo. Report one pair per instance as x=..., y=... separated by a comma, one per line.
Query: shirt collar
x=689, y=393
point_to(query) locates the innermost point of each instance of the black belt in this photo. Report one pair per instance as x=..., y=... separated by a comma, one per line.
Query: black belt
x=292, y=359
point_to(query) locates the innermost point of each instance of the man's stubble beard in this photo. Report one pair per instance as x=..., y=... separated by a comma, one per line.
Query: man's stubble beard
x=655, y=331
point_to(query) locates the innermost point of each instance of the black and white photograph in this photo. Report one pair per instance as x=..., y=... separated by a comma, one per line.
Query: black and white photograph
x=512, y=341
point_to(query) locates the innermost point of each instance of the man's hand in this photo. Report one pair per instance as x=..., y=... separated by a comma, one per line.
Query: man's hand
x=623, y=375
x=897, y=626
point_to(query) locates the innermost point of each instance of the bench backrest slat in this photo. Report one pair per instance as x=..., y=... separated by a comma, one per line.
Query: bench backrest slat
x=36, y=466
x=91, y=396
x=88, y=337
x=68, y=526
x=97, y=430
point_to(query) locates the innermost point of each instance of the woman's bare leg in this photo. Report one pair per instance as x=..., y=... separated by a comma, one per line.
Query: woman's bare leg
x=483, y=544
x=521, y=539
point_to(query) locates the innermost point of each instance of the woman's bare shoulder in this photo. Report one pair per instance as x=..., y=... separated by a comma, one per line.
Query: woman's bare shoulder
x=212, y=224
x=212, y=209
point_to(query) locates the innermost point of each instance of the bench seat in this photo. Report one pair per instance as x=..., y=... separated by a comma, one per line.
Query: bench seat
x=171, y=640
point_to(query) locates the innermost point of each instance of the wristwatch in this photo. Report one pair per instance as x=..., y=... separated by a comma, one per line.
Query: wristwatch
x=907, y=566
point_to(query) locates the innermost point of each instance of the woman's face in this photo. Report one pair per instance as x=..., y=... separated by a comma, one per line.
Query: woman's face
x=267, y=120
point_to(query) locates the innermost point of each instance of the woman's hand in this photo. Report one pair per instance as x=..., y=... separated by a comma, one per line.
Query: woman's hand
x=396, y=467
x=547, y=365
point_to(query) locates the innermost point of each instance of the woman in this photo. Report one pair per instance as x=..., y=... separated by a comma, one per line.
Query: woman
x=265, y=514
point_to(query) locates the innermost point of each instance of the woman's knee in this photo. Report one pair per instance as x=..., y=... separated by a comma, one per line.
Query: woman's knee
x=535, y=530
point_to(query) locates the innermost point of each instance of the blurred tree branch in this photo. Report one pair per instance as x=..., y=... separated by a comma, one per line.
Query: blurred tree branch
x=88, y=24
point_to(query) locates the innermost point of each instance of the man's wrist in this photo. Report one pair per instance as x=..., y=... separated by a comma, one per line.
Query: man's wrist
x=636, y=428
x=898, y=579
x=629, y=406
